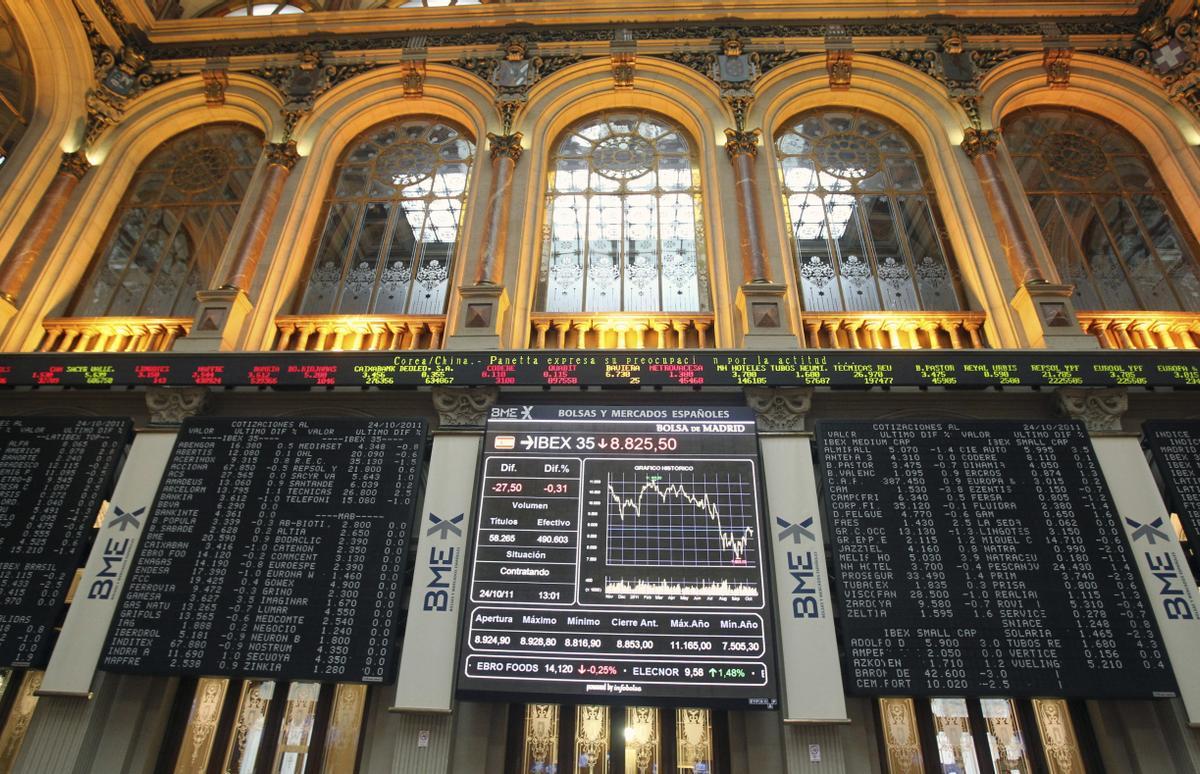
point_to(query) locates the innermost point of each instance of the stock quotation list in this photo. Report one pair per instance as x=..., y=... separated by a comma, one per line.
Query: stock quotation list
x=275, y=549
x=983, y=558
x=54, y=474
x=1175, y=447
x=618, y=553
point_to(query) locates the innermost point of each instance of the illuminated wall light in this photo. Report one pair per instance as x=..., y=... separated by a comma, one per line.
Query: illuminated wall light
x=957, y=136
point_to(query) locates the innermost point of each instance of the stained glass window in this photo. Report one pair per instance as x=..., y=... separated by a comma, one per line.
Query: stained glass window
x=169, y=232
x=622, y=230
x=865, y=224
x=391, y=221
x=1107, y=217
x=16, y=86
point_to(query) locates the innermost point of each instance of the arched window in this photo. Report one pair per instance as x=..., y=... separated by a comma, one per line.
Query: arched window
x=258, y=8
x=169, y=232
x=622, y=213
x=391, y=221
x=1107, y=217
x=16, y=85
x=865, y=224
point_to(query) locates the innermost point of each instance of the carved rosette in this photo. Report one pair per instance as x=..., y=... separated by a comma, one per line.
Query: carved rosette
x=75, y=164
x=169, y=406
x=740, y=143
x=978, y=142
x=281, y=154
x=509, y=145
x=1100, y=409
x=779, y=410
x=463, y=407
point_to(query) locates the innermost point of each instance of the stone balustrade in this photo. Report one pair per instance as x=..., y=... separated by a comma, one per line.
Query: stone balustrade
x=1143, y=330
x=621, y=331
x=112, y=334
x=323, y=333
x=894, y=330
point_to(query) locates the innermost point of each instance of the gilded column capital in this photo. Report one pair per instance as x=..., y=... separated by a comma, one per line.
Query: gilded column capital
x=741, y=143
x=281, y=154
x=505, y=145
x=75, y=164
x=980, y=142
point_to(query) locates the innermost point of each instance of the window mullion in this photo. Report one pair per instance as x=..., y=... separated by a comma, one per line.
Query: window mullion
x=1134, y=290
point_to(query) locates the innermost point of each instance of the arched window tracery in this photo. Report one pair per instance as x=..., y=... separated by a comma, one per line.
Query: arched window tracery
x=864, y=220
x=171, y=228
x=622, y=230
x=1106, y=215
x=391, y=221
x=16, y=86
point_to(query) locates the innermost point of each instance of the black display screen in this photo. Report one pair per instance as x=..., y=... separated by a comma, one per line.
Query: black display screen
x=275, y=549
x=1175, y=447
x=618, y=557
x=54, y=475
x=622, y=368
x=977, y=558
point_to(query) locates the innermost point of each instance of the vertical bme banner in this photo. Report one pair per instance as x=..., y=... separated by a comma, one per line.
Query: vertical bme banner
x=619, y=555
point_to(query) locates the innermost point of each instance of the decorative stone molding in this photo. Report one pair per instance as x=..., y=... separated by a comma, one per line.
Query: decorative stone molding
x=779, y=410
x=413, y=62
x=839, y=63
x=979, y=142
x=171, y=405
x=1057, y=63
x=215, y=83
x=500, y=145
x=623, y=55
x=512, y=71
x=741, y=143
x=463, y=407
x=1100, y=409
x=281, y=154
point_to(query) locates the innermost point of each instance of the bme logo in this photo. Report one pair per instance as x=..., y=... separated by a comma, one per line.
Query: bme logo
x=803, y=567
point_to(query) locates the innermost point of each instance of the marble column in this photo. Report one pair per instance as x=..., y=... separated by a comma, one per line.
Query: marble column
x=506, y=152
x=742, y=148
x=15, y=269
x=281, y=158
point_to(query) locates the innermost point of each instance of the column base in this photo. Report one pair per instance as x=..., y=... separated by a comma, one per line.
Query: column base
x=481, y=317
x=762, y=312
x=220, y=322
x=1047, y=316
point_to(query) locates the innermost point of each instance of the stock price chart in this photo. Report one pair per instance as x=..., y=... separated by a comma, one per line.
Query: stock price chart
x=618, y=553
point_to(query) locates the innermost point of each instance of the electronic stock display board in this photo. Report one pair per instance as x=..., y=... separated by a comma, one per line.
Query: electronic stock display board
x=983, y=558
x=274, y=549
x=54, y=474
x=619, y=556
x=1175, y=447
x=694, y=369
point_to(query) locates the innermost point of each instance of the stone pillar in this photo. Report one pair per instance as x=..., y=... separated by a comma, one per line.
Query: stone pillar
x=16, y=267
x=122, y=724
x=1045, y=310
x=484, y=304
x=760, y=301
x=222, y=311
x=424, y=691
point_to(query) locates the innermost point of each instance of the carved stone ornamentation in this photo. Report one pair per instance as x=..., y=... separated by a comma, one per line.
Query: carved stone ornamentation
x=505, y=145
x=1057, y=62
x=623, y=55
x=463, y=407
x=281, y=154
x=75, y=164
x=739, y=143
x=1100, y=409
x=172, y=405
x=839, y=64
x=413, y=64
x=215, y=83
x=779, y=410
x=978, y=142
